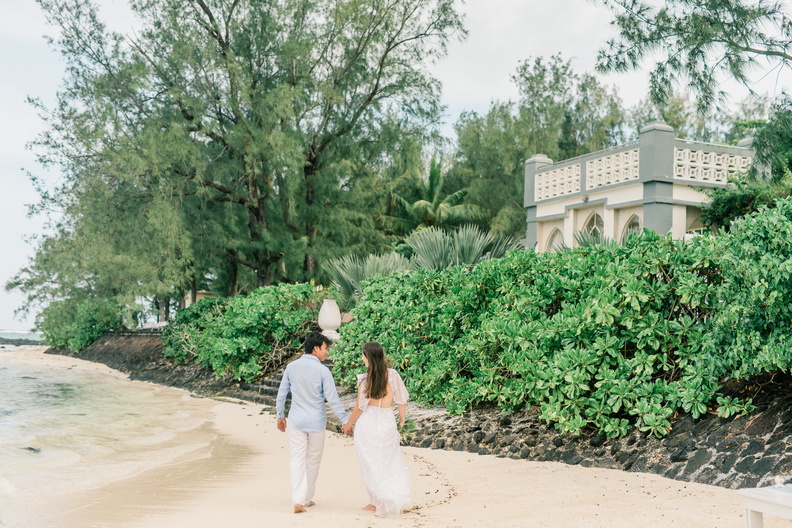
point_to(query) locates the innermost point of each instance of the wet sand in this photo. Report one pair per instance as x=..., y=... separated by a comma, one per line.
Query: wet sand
x=242, y=480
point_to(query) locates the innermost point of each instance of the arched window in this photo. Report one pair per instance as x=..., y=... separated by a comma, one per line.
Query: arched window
x=595, y=225
x=556, y=241
x=633, y=227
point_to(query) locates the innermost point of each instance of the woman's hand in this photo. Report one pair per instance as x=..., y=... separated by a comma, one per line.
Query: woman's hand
x=347, y=428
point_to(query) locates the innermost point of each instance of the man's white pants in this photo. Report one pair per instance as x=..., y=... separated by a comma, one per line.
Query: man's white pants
x=305, y=452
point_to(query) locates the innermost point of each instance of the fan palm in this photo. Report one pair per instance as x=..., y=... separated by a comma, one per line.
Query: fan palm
x=348, y=272
x=434, y=248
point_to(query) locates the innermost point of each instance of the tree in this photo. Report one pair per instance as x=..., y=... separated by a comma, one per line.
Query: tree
x=254, y=104
x=566, y=114
x=433, y=208
x=772, y=143
x=113, y=242
x=680, y=113
x=700, y=41
x=770, y=176
x=560, y=113
x=222, y=141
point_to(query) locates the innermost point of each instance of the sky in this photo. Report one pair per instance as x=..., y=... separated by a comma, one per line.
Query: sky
x=474, y=73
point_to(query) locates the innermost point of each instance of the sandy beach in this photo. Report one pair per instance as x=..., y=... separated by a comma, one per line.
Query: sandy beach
x=243, y=480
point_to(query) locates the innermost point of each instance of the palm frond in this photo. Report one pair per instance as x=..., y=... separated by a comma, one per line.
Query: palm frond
x=459, y=213
x=432, y=248
x=346, y=273
x=385, y=264
x=591, y=237
x=395, y=223
x=502, y=245
x=470, y=242
x=436, y=180
x=456, y=198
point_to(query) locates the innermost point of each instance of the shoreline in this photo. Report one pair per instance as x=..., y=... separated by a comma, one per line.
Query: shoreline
x=243, y=480
x=743, y=451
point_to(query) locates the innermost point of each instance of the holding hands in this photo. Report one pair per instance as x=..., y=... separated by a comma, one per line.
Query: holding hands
x=349, y=426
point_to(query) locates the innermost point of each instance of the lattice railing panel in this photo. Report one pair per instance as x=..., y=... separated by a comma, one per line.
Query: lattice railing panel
x=557, y=182
x=707, y=166
x=614, y=168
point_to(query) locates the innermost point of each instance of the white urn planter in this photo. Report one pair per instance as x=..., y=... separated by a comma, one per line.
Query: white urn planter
x=330, y=319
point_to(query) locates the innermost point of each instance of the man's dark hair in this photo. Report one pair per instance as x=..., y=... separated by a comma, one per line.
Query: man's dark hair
x=315, y=339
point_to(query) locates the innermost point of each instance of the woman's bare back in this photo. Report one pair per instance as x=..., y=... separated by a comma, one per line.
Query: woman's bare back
x=385, y=402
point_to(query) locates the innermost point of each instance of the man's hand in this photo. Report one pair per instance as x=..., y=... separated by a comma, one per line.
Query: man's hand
x=282, y=425
x=347, y=428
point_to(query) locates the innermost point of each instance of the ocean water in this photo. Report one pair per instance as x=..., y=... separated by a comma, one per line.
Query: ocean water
x=65, y=430
x=18, y=334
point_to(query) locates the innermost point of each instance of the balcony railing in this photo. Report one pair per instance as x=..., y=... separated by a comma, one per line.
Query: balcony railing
x=656, y=156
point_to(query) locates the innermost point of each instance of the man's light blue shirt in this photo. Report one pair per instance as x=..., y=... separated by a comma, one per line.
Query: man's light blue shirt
x=310, y=383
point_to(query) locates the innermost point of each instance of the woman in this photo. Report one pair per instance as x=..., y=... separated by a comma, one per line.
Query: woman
x=382, y=462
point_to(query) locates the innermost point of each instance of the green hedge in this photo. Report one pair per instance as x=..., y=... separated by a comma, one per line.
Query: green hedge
x=75, y=324
x=611, y=337
x=244, y=336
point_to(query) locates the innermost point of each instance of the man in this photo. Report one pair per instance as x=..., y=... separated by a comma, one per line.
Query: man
x=310, y=384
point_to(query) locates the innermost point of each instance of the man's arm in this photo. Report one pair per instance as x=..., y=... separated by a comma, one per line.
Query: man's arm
x=331, y=395
x=280, y=402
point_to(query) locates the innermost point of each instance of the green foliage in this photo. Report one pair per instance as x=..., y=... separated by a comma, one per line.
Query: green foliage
x=244, y=336
x=728, y=204
x=407, y=432
x=430, y=247
x=223, y=140
x=772, y=143
x=74, y=325
x=591, y=237
x=435, y=249
x=729, y=406
x=698, y=41
x=559, y=113
x=610, y=337
x=680, y=112
x=752, y=331
x=348, y=273
x=770, y=175
x=433, y=207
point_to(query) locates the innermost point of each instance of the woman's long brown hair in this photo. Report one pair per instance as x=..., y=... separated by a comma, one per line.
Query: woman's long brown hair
x=377, y=386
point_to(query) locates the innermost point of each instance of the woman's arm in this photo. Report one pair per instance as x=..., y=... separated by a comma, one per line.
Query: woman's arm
x=402, y=414
x=347, y=427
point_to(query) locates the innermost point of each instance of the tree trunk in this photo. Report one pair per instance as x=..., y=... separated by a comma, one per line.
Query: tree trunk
x=193, y=290
x=309, y=174
x=232, y=270
x=163, y=304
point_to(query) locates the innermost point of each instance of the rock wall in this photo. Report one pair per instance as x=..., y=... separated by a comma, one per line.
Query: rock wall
x=139, y=355
x=745, y=451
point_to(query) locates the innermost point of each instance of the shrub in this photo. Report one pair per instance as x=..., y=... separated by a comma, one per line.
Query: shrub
x=245, y=336
x=753, y=325
x=604, y=335
x=75, y=324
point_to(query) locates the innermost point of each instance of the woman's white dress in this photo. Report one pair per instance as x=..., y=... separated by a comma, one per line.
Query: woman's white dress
x=384, y=468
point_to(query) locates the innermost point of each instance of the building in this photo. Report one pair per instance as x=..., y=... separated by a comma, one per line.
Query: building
x=200, y=294
x=655, y=183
